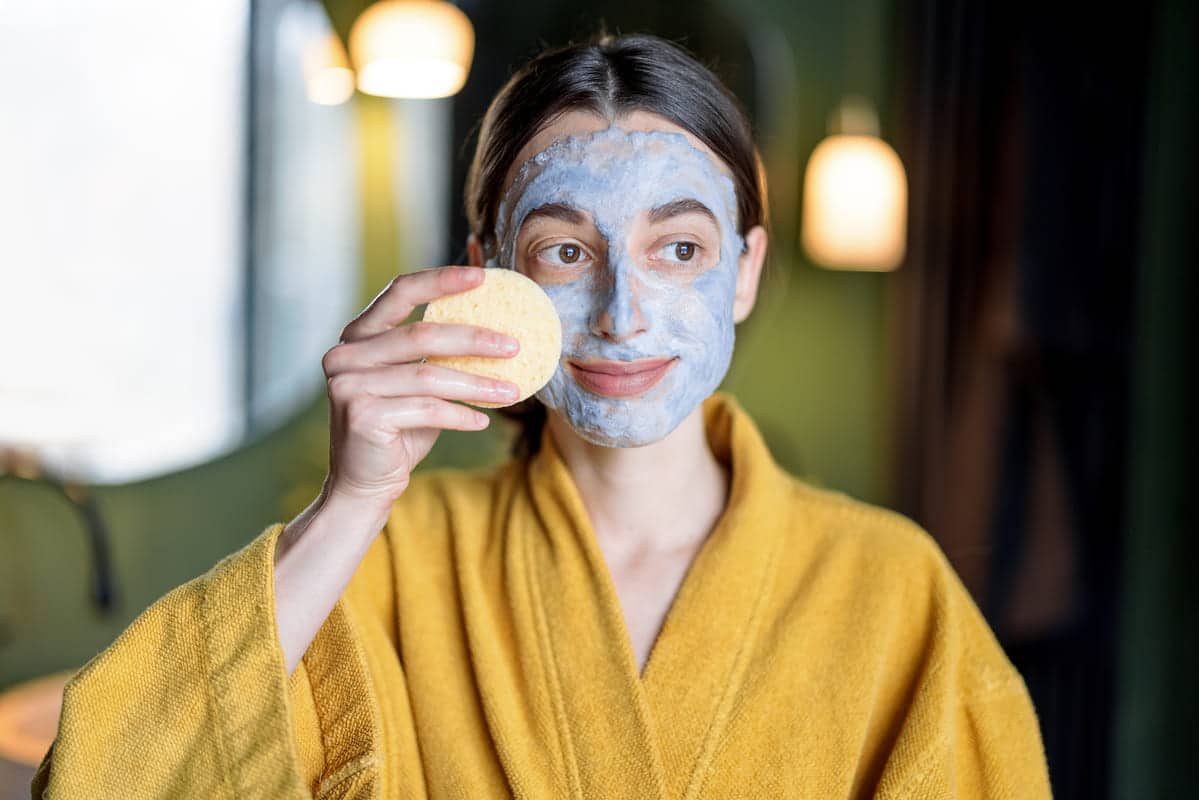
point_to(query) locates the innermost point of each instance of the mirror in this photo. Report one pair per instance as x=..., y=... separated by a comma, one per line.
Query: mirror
x=181, y=231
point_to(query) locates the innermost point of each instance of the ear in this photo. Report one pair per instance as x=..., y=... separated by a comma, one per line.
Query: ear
x=474, y=251
x=749, y=270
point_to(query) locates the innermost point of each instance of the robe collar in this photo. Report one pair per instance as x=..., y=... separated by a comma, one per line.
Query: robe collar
x=623, y=734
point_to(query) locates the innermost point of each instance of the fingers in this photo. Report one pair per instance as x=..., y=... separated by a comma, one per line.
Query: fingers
x=405, y=292
x=369, y=415
x=412, y=380
x=416, y=341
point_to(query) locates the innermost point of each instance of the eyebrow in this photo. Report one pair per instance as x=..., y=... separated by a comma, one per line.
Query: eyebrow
x=573, y=216
x=674, y=208
x=558, y=211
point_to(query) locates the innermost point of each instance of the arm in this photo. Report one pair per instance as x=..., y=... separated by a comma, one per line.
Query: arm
x=316, y=556
x=970, y=730
x=192, y=700
x=986, y=746
x=386, y=409
x=998, y=752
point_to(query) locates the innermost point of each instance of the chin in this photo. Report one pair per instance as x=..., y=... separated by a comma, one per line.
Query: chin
x=618, y=422
x=604, y=439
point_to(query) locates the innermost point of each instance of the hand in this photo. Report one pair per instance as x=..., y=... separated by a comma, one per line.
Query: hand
x=387, y=407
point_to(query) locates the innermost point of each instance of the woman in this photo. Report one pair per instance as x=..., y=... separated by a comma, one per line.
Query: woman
x=640, y=605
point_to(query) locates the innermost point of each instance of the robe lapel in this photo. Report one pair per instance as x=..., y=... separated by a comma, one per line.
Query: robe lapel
x=697, y=664
x=605, y=726
x=625, y=735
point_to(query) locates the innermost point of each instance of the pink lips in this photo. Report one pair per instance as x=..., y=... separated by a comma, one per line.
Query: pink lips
x=621, y=378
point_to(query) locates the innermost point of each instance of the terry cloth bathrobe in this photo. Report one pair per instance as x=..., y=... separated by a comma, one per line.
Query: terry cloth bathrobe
x=818, y=647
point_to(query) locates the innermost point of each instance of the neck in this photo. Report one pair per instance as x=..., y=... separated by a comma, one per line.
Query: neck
x=663, y=496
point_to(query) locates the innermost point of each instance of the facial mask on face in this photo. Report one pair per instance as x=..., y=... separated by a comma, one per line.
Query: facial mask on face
x=615, y=175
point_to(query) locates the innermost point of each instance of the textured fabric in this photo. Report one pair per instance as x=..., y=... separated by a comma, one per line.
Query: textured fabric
x=818, y=647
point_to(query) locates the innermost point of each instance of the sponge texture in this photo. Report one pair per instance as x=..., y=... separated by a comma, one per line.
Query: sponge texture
x=512, y=304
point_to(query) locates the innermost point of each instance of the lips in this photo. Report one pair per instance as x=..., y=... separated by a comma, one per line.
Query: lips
x=620, y=378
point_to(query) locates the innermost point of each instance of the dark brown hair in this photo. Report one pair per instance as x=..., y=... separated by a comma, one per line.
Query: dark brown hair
x=610, y=76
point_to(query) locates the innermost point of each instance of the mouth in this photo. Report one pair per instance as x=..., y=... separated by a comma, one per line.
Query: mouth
x=620, y=378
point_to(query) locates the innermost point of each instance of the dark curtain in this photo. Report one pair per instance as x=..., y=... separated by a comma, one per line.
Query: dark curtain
x=1021, y=128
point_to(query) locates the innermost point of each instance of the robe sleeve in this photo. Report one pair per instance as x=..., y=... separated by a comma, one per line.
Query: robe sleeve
x=970, y=729
x=998, y=751
x=987, y=747
x=193, y=700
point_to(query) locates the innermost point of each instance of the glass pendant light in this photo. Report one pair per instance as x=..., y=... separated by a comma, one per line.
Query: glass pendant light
x=855, y=195
x=412, y=48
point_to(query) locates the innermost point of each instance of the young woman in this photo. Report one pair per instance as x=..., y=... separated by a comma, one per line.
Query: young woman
x=640, y=603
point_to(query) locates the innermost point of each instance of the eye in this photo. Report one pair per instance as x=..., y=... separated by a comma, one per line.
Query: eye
x=680, y=251
x=563, y=254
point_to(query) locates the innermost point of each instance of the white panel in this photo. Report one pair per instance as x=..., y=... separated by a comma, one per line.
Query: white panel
x=121, y=146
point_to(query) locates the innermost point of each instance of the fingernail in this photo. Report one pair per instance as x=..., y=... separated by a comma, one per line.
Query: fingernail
x=509, y=345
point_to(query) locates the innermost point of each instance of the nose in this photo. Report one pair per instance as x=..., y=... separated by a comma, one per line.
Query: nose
x=619, y=316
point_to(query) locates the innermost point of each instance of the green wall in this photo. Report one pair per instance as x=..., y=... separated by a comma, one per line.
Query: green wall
x=812, y=361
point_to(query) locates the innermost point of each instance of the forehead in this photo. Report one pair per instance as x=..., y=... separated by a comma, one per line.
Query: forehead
x=638, y=166
x=579, y=124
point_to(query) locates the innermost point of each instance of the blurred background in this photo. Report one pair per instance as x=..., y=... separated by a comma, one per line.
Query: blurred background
x=978, y=306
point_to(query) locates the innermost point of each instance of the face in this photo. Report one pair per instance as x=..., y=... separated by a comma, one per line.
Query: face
x=632, y=233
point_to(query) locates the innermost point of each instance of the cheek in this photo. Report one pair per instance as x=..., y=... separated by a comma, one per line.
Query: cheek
x=701, y=307
x=573, y=303
x=691, y=327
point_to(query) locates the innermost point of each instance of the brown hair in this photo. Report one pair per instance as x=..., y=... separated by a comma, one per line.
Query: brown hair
x=610, y=76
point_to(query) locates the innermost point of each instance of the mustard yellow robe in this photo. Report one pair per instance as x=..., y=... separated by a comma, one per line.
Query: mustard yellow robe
x=819, y=647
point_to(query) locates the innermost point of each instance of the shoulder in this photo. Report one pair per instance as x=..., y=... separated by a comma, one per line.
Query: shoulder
x=885, y=566
x=865, y=559
x=836, y=521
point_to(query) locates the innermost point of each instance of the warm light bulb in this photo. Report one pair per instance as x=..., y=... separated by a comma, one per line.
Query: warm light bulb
x=412, y=48
x=328, y=79
x=855, y=204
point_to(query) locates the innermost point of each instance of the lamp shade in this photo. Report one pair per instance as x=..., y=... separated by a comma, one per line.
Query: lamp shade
x=328, y=79
x=412, y=48
x=855, y=204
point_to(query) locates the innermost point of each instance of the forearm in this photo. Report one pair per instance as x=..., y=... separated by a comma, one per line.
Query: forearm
x=316, y=555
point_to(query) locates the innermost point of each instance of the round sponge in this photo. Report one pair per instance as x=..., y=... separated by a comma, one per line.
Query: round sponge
x=512, y=304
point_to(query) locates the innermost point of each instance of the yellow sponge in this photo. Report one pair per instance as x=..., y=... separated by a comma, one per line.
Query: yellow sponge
x=512, y=304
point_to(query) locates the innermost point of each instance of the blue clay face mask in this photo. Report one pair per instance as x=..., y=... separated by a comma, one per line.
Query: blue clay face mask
x=633, y=236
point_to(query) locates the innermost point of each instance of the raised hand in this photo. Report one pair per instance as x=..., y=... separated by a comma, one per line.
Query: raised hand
x=387, y=407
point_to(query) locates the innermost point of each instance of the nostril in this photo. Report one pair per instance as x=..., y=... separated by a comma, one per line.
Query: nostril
x=620, y=315
x=601, y=324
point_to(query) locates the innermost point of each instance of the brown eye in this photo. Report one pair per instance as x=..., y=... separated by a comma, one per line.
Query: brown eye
x=569, y=253
x=684, y=251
